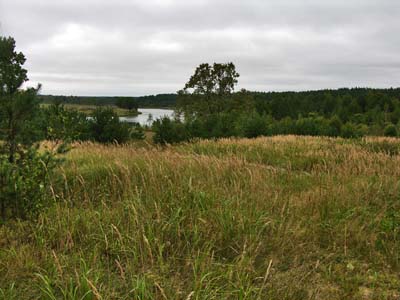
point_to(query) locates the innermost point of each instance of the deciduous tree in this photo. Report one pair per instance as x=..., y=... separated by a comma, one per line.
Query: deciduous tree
x=207, y=88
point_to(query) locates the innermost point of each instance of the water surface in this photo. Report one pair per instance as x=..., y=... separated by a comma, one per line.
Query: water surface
x=148, y=115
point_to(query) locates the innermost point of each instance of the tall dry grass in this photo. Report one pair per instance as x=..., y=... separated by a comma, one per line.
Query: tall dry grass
x=270, y=218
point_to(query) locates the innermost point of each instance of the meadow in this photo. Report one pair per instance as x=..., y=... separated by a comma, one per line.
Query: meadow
x=283, y=217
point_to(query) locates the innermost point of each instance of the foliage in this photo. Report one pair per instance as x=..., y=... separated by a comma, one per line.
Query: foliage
x=24, y=169
x=167, y=131
x=160, y=100
x=12, y=74
x=18, y=108
x=59, y=123
x=349, y=130
x=218, y=79
x=18, y=112
x=253, y=125
x=24, y=182
x=373, y=108
x=137, y=132
x=212, y=110
x=390, y=130
x=105, y=127
x=207, y=89
x=127, y=103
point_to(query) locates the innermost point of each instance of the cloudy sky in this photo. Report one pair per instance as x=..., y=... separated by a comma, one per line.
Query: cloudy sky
x=138, y=47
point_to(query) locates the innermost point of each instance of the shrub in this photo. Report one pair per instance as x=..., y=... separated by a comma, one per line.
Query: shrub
x=127, y=103
x=349, y=130
x=253, y=125
x=308, y=126
x=167, y=131
x=390, y=130
x=105, y=127
x=223, y=125
x=335, y=125
x=24, y=170
x=137, y=132
x=24, y=182
x=283, y=126
x=59, y=123
x=196, y=128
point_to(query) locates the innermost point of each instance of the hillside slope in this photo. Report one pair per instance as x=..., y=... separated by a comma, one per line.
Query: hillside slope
x=271, y=218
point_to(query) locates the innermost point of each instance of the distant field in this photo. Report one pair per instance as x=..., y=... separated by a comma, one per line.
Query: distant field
x=270, y=218
x=88, y=109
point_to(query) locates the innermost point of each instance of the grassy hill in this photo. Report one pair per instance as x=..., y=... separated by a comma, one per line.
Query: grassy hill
x=270, y=218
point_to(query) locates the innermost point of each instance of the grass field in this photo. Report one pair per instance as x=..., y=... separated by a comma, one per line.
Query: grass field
x=89, y=109
x=270, y=218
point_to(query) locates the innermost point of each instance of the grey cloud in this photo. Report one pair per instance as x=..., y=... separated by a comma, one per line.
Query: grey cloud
x=132, y=47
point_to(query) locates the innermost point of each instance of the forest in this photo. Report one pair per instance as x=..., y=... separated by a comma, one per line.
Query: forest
x=213, y=110
x=344, y=112
x=365, y=105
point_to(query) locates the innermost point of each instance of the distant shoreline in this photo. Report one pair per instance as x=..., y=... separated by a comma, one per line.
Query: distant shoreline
x=88, y=109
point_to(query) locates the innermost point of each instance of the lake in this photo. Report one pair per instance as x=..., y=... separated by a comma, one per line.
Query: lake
x=148, y=115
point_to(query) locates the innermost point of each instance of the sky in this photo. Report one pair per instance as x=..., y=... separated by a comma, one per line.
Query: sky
x=142, y=47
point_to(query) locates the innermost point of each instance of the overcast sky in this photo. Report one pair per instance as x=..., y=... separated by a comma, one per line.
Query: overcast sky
x=139, y=47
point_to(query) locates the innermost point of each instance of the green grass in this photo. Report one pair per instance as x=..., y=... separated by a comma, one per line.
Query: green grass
x=270, y=218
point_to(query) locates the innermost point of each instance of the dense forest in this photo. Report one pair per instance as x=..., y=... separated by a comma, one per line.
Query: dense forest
x=343, y=102
x=374, y=104
x=213, y=110
x=360, y=105
x=344, y=112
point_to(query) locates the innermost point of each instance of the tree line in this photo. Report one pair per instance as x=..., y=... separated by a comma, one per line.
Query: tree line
x=212, y=109
x=342, y=102
x=210, y=112
x=151, y=101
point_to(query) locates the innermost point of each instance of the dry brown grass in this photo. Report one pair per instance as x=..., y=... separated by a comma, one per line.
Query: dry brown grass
x=270, y=218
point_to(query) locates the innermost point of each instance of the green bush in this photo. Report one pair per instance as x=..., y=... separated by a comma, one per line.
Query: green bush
x=59, y=123
x=222, y=125
x=127, y=103
x=349, y=130
x=310, y=126
x=167, y=131
x=137, y=132
x=253, y=125
x=390, y=130
x=335, y=125
x=24, y=182
x=105, y=127
x=24, y=170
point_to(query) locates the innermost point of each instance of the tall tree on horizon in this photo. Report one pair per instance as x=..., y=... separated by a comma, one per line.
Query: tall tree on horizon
x=207, y=88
